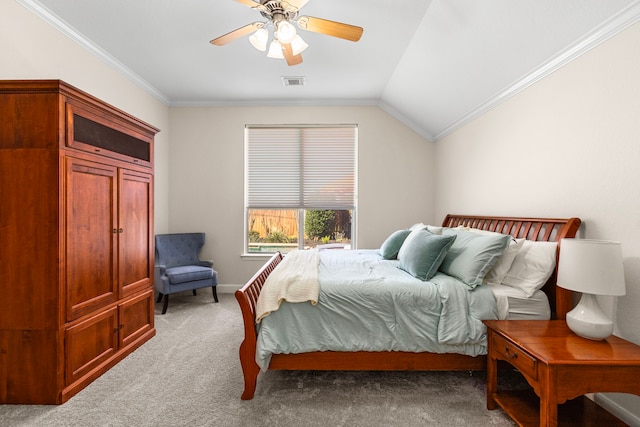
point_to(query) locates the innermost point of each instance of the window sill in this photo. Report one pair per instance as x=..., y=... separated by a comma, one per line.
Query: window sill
x=256, y=256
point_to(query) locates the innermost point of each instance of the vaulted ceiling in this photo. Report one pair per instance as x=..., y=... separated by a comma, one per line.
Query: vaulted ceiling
x=433, y=64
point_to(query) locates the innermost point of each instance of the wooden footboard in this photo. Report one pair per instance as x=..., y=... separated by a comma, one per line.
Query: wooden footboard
x=540, y=229
x=247, y=297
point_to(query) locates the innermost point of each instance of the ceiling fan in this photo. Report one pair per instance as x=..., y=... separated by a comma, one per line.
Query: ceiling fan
x=286, y=42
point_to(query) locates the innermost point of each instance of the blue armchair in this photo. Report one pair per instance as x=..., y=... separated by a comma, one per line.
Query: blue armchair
x=178, y=266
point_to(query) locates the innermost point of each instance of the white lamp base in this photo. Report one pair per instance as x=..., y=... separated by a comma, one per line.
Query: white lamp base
x=588, y=320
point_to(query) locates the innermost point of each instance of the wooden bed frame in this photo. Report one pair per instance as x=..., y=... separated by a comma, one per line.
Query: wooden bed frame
x=538, y=229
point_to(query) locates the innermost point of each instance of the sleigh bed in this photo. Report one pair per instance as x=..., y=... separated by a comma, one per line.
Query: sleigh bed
x=530, y=229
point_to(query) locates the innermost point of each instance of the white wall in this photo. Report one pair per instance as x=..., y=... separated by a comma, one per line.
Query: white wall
x=567, y=146
x=207, y=177
x=33, y=49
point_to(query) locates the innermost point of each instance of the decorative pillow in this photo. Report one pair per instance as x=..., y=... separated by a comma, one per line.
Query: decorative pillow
x=391, y=246
x=472, y=255
x=422, y=253
x=533, y=265
x=503, y=264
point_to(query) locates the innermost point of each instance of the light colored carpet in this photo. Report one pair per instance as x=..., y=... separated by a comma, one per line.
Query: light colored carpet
x=189, y=375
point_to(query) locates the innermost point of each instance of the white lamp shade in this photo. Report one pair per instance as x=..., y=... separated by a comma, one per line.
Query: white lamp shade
x=591, y=266
x=285, y=32
x=298, y=45
x=275, y=50
x=259, y=39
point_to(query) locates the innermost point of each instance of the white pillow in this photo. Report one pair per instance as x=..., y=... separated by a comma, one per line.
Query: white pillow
x=433, y=229
x=532, y=266
x=500, y=269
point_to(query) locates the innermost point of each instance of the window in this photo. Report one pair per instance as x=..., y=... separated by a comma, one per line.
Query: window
x=300, y=188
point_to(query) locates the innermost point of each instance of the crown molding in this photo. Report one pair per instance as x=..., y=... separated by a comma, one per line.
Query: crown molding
x=46, y=15
x=627, y=17
x=278, y=103
x=406, y=121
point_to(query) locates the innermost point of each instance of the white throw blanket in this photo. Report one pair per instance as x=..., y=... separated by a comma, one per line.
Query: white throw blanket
x=295, y=279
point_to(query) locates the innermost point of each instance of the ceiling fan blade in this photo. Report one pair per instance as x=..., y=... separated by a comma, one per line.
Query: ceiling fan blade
x=249, y=3
x=297, y=3
x=330, y=28
x=289, y=56
x=236, y=34
x=257, y=5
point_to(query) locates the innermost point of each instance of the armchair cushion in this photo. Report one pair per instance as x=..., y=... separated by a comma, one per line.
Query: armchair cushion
x=188, y=273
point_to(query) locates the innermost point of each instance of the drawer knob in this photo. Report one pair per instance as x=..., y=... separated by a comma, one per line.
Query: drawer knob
x=510, y=354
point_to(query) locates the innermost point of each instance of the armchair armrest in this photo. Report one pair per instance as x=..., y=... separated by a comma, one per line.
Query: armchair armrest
x=161, y=269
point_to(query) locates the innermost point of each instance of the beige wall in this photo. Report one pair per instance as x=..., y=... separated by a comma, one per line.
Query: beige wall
x=33, y=49
x=567, y=146
x=207, y=177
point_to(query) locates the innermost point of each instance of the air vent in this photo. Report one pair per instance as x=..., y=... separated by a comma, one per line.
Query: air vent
x=293, y=81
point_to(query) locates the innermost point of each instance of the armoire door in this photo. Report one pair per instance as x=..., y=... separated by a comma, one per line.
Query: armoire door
x=135, y=231
x=91, y=236
x=136, y=318
x=90, y=343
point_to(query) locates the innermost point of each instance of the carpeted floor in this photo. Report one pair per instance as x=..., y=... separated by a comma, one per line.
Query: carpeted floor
x=189, y=375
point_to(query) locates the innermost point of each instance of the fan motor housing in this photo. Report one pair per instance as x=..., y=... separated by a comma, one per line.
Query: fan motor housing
x=278, y=10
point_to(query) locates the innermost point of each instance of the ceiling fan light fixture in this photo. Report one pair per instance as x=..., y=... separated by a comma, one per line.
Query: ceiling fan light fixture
x=298, y=45
x=275, y=50
x=285, y=32
x=259, y=39
x=286, y=43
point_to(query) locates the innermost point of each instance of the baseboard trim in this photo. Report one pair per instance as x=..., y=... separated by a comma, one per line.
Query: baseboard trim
x=228, y=289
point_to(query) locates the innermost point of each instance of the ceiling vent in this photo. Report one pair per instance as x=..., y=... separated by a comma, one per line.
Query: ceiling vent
x=293, y=81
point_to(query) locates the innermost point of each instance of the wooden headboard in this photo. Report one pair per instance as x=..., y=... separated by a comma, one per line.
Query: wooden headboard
x=537, y=229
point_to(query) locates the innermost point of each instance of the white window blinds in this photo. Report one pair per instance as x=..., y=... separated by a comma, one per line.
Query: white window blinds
x=301, y=167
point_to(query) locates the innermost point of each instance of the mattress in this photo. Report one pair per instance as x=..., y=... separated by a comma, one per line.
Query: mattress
x=513, y=304
x=367, y=303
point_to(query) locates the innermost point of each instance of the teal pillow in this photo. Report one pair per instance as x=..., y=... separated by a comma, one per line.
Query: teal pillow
x=422, y=253
x=391, y=246
x=472, y=255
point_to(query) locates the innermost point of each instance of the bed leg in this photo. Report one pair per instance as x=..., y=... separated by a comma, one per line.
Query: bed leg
x=250, y=380
x=250, y=370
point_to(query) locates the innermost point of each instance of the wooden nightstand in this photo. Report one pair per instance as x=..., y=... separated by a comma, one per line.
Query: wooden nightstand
x=560, y=366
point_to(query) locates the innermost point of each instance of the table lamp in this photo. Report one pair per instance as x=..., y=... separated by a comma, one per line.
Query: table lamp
x=592, y=267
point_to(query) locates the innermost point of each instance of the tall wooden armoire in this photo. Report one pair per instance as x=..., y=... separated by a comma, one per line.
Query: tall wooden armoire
x=76, y=239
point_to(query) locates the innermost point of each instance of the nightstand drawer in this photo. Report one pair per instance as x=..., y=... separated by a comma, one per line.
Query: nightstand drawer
x=515, y=356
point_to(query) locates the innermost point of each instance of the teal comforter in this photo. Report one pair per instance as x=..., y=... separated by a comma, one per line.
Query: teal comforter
x=366, y=303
